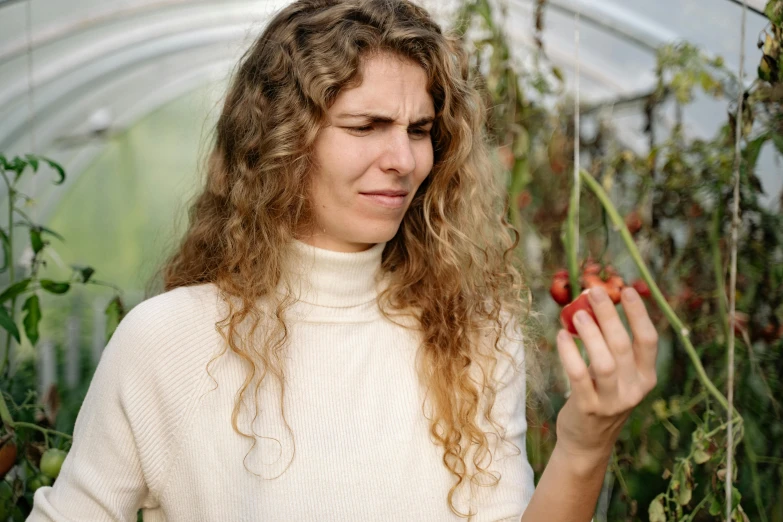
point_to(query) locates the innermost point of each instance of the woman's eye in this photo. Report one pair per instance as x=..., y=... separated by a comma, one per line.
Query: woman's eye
x=419, y=133
x=361, y=130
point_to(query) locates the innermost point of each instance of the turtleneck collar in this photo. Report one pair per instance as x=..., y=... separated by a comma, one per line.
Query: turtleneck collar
x=334, y=279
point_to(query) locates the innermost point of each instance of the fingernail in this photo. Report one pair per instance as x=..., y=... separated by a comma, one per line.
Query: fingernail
x=598, y=294
x=630, y=293
x=580, y=317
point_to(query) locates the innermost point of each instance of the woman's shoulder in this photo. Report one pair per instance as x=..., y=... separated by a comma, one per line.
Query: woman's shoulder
x=186, y=305
x=184, y=316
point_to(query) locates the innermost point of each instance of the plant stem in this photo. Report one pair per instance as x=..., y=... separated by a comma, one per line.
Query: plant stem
x=43, y=430
x=699, y=506
x=681, y=330
x=10, y=424
x=11, y=278
x=717, y=265
x=5, y=414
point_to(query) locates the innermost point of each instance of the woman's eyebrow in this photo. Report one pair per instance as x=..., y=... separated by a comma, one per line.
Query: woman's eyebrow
x=381, y=118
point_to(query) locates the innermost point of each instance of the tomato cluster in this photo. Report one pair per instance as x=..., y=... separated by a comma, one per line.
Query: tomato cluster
x=49, y=465
x=593, y=275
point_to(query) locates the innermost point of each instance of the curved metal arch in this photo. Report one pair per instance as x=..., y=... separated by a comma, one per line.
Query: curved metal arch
x=131, y=50
x=146, y=103
x=17, y=122
x=61, y=31
x=115, y=41
x=756, y=6
x=155, y=50
x=76, y=165
x=615, y=20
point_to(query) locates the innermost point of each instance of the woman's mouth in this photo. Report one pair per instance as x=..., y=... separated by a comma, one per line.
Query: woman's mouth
x=383, y=200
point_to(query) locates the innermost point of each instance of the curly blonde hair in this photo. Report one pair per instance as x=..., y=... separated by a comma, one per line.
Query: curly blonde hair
x=451, y=264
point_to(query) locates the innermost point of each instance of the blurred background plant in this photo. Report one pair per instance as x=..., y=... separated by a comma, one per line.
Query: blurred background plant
x=674, y=202
x=36, y=427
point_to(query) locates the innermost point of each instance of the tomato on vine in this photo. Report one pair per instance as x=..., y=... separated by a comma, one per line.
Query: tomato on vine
x=52, y=461
x=568, y=312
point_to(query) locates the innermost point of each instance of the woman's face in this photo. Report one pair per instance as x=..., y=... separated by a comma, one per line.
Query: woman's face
x=372, y=156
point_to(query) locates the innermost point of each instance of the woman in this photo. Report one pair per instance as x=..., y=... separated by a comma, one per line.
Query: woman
x=340, y=338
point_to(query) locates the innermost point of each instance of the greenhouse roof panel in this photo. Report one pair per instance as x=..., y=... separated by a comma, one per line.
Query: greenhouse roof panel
x=105, y=56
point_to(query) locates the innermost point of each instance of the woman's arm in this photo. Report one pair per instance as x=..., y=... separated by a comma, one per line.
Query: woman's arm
x=568, y=489
x=620, y=375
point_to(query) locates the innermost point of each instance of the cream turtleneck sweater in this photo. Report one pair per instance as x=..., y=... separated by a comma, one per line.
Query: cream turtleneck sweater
x=155, y=431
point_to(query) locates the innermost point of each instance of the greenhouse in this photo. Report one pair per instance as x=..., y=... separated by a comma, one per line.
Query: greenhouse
x=622, y=132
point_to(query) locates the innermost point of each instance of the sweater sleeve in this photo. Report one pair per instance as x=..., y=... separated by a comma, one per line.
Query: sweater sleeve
x=101, y=478
x=126, y=430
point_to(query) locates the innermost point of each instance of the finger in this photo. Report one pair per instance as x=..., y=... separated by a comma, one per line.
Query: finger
x=602, y=361
x=617, y=338
x=581, y=383
x=615, y=334
x=645, y=336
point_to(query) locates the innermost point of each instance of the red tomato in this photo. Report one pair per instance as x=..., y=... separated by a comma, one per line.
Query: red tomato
x=613, y=285
x=560, y=291
x=591, y=280
x=614, y=293
x=561, y=274
x=567, y=313
x=524, y=199
x=771, y=333
x=7, y=457
x=634, y=222
x=591, y=269
x=693, y=301
x=641, y=288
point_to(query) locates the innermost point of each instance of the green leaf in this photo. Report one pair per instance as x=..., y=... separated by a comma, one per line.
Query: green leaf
x=686, y=486
x=6, y=250
x=85, y=272
x=777, y=140
x=656, y=511
x=114, y=314
x=60, y=171
x=558, y=73
x=736, y=496
x=32, y=318
x=14, y=290
x=33, y=161
x=35, y=239
x=700, y=456
x=774, y=11
x=52, y=233
x=700, y=446
x=17, y=165
x=8, y=324
x=716, y=507
x=54, y=287
x=753, y=150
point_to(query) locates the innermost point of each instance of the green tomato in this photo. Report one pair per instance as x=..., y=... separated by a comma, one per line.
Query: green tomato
x=38, y=481
x=6, y=492
x=52, y=461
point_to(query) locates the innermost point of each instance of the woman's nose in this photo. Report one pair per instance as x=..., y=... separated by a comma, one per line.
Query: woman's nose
x=398, y=154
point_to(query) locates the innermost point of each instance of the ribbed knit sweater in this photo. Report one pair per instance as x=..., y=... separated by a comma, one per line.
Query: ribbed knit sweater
x=154, y=431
